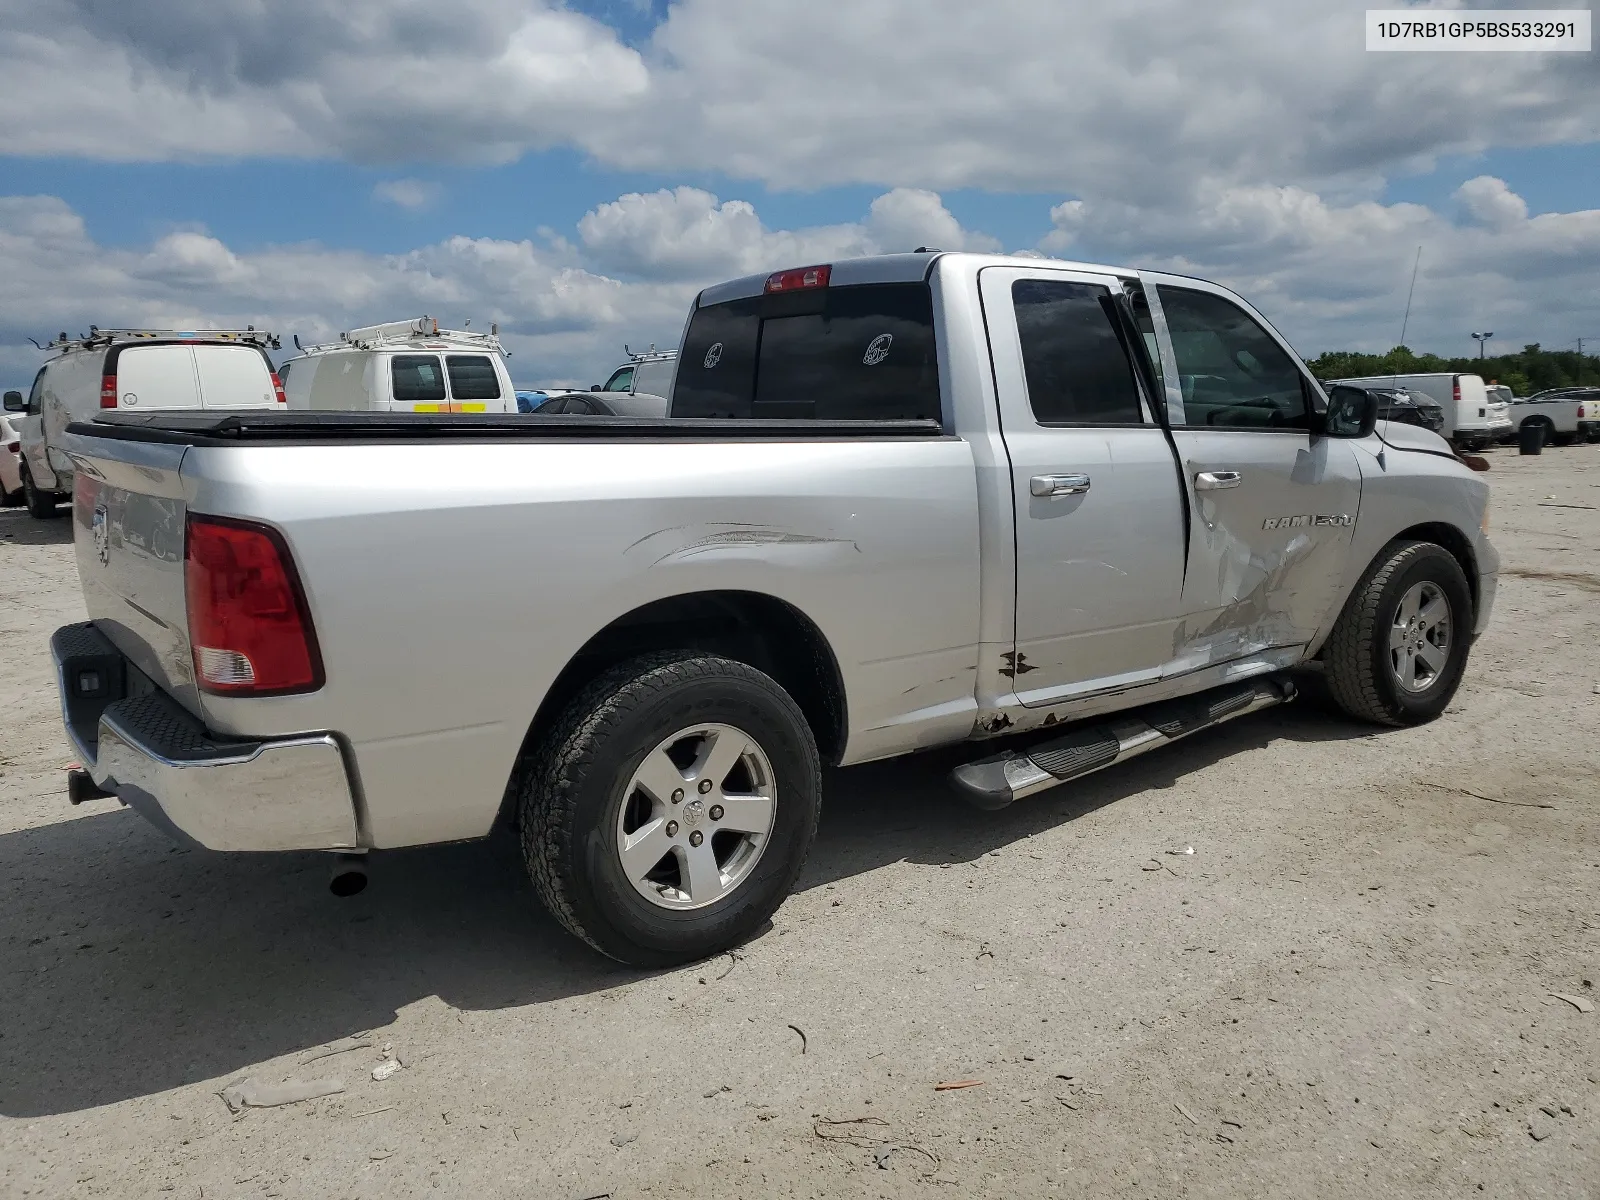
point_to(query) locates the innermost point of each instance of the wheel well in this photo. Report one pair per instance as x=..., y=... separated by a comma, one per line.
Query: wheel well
x=767, y=633
x=1457, y=543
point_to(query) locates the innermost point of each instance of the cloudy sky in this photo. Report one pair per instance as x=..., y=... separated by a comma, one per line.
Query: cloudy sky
x=576, y=172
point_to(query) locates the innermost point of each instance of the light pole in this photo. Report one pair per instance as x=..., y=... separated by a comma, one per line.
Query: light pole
x=1581, y=341
x=1481, y=339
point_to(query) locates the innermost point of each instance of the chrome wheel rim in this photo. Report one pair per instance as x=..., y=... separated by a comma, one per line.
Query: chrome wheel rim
x=696, y=816
x=1419, y=639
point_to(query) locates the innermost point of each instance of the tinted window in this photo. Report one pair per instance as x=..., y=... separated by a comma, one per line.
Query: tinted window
x=620, y=381
x=1232, y=372
x=717, y=366
x=417, y=377
x=556, y=404
x=1076, y=367
x=36, y=393
x=472, y=377
x=847, y=354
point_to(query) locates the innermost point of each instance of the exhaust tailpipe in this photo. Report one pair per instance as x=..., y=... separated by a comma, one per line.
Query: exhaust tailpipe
x=349, y=875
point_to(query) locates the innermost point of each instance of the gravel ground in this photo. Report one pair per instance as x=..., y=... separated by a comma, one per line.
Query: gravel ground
x=1345, y=990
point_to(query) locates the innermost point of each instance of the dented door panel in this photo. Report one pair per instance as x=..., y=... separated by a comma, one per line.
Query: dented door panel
x=1266, y=557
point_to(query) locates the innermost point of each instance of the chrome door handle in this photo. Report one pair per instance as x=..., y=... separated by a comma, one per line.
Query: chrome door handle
x=1215, y=481
x=1058, y=485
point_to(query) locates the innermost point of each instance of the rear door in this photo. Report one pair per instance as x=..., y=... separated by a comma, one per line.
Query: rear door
x=1274, y=505
x=234, y=377
x=417, y=383
x=474, y=384
x=157, y=377
x=1098, y=507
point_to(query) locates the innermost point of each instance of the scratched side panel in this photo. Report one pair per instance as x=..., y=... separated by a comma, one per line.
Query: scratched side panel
x=450, y=584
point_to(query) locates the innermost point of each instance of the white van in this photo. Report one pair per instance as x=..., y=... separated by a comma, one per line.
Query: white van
x=1472, y=418
x=403, y=366
x=132, y=370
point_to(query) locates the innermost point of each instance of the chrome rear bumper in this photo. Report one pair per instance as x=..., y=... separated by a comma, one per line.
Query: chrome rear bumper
x=218, y=793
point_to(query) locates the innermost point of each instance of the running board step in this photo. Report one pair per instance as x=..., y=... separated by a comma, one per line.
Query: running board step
x=994, y=782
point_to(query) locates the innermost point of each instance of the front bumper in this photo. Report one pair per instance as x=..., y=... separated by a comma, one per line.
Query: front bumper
x=218, y=793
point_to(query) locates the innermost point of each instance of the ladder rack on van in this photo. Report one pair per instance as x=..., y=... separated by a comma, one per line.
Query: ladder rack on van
x=406, y=333
x=96, y=336
x=650, y=355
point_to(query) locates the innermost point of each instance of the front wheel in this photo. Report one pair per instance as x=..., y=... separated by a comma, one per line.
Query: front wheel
x=1399, y=648
x=667, y=813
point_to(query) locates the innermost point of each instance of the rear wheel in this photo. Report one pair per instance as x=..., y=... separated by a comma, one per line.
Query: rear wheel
x=668, y=812
x=41, y=504
x=1399, y=648
x=1562, y=439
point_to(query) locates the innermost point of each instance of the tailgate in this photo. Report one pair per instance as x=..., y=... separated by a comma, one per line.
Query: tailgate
x=128, y=517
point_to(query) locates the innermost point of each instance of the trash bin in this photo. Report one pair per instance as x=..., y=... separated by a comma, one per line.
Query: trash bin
x=1530, y=438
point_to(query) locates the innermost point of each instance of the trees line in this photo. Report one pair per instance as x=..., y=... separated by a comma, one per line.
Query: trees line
x=1532, y=369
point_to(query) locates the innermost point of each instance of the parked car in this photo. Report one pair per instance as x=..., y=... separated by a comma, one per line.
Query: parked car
x=403, y=366
x=1472, y=419
x=10, y=461
x=132, y=370
x=1408, y=408
x=1563, y=413
x=675, y=626
x=529, y=399
x=605, y=404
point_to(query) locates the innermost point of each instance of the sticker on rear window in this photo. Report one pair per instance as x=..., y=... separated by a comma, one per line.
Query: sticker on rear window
x=713, y=355
x=877, y=349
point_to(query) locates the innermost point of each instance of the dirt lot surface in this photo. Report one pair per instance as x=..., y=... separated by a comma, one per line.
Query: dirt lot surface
x=1345, y=990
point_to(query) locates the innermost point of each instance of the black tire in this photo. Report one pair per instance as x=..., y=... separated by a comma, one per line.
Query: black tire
x=1562, y=439
x=569, y=790
x=1357, y=656
x=11, y=499
x=41, y=504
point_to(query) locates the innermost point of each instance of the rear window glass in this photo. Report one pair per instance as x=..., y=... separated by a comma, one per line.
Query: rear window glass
x=1076, y=367
x=472, y=377
x=417, y=377
x=851, y=354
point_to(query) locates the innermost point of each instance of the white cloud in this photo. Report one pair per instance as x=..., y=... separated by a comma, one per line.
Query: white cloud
x=561, y=307
x=687, y=233
x=1334, y=275
x=409, y=194
x=1134, y=101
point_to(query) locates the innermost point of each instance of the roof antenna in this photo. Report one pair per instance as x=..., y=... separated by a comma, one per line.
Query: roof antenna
x=35, y=343
x=297, y=345
x=1406, y=320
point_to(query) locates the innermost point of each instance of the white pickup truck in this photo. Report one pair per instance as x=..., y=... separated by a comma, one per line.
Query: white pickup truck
x=1561, y=413
x=901, y=502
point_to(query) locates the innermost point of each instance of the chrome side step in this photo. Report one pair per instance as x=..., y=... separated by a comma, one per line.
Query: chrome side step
x=994, y=782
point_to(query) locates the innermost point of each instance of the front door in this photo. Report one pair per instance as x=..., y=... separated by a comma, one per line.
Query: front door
x=1274, y=504
x=1095, y=491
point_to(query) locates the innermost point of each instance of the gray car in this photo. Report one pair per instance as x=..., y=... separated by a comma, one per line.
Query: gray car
x=899, y=502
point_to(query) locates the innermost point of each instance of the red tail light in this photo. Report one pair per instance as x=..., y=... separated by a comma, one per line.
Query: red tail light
x=249, y=627
x=794, y=281
x=16, y=447
x=108, y=390
x=1455, y=390
x=1580, y=415
x=277, y=389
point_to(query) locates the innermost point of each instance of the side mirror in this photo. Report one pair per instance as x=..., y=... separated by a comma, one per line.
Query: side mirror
x=1352, y=412
x=15, y=402
x=595, y=387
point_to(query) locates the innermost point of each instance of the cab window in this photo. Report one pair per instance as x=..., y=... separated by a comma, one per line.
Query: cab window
x=1077, y=370
x=621, y=380
x=36, y=393
x=1234, y=375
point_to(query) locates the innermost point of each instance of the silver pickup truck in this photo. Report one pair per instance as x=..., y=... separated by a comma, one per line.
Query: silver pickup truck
x=901, y=502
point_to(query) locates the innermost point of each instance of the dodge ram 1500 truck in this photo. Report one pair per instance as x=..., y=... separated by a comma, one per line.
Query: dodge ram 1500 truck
x=900, y=502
